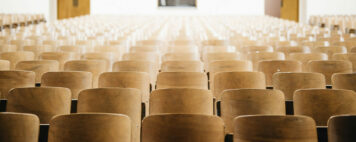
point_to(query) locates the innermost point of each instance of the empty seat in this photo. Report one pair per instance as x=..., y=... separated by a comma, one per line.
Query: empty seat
x=15, y=79
x=182, y=80
x=342, y=128
x=61, y=57
x=15, y=57
x=237, y=80
x=114, y=100
x=273, y=66
x=72, y=48
x=181, y=57
x=260, y=56
x=254, y=49
x=321, y=104
x=328, y=68
x=182, y=66
x=142, y=56
x=76, y=81
x=228, y=65
x=293, y=49
x=110, y=58
x=37, y=50
x=45, y=102
x=39, y=67
x=238, y=102
x=274, y=128
x=138, y=66
x=330, y=51
x=96, y=67
x=138, y=80
x=182, y=101
x=348, y=57
x=304, y=58
x=344, y=81
x=19, y=127
x=4, y=65
x=182, y=128
x=290, y=82
x=90, y=128
x=220, y=56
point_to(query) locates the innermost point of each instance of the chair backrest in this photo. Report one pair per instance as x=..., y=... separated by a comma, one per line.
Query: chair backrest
x=110, y=58
x=15, y=57
x=218, y=56
x=61, y=57
x=348, y=57
x=268, y=128
x=321, y=104
x=293, y=49
x=142, y=56
x=182, y=80
x=138, y=66
x=254, y=49
x=96, y=67
x=288, y=83
x=182, y=101
x=260, y=56
x=306, y=57
x=125, y=101
x=4, y=65
x=45, y=102
x=39, y=67
x=90, y=128
x=138, y=80
x=238, y=102
x=182, y=128
x=76, y=81
x=37, y=50
x=19, y=127
x=228, y=65
x=15, y=79
x=328, y=68
x=330, y=50
x=341, y=128
x=72, y=48
x=182, y=66
x=344, y=81
x=237, y=80
x=180, y=57
x=273, y=66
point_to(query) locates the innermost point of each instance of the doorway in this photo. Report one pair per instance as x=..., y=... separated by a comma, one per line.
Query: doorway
x=290, y=10
x=72, y=8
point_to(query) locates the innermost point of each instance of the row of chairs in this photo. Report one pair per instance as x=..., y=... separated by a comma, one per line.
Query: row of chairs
x=14, y=20
x=343, y=22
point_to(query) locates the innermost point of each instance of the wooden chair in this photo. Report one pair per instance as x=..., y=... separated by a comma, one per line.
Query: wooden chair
x=254, y=49
x=328, y=68
x=182, y=66
x=288, y=83
x=257, y=57
x=71, y=48
x=110, y=58
x=321, y=104
x=268, y=128
x=304, y=58
x=344, y=81
x=141, y=56
x=341, y=128
x=15, y=79
x=293, y=49
x=96, y=67
x=8, y=48
x=348, y=57
x=182, y=80
x=238, y=102
x=274, y=66
x=101, y=127
x=4, y=65
x=61, y=57
x=138, y=80
x=220, y=56
x=45, y=102
x=15, y=57
x=37, y=50
x=19, y=127
x=182, y=101
x=76, y=81
x=144, y=48
x=330, y=51
x=237, y=80
x=39, y=67
x=180, y=57
x=114, y=100
x=182, y=128
x=138, y=66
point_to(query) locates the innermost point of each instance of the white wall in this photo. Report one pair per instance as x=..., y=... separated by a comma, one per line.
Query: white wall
x=25, y=6
x=251, y=7
x=335, y=7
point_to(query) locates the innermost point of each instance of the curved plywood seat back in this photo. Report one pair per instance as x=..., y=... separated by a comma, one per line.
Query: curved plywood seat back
x=180, y=57
x=273, y=66
x=182, y=66
x=237, y=80
x=218, y=56
x=321, y=104
x=348, y=57
x=138, y=66
x=44, y=102
x=288, y=83
x=90, y=128
x=15, y=57
x=138, y=80
x=4, y=65
x=304, y=58
x=261, y=56
x=39, y=67
x=61, y=57
x=344, y=81
x=76, y=81
x=342, y=128
x=182, y=101
x=182, y=80
x=96, y=67
x=253, y=49
x=330, y=50
x=37, y=50
x=288, y=50
x=19, y=127
x=240, y=102
x=114, y=100
x=328, y=68
x=142, y=56
x=15, y=79
x=267, y=128
x=182, y=128
x=109, y=57
x=228, y=65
